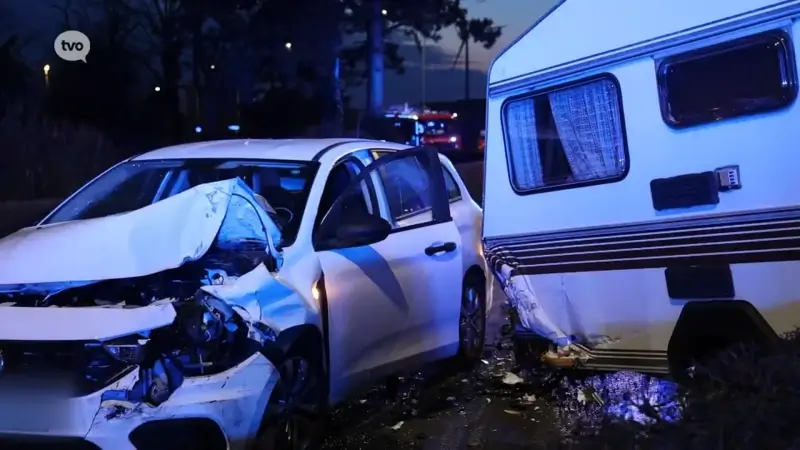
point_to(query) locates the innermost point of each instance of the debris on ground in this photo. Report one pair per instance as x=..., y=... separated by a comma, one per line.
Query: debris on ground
x=496, y=404
x=511, y=378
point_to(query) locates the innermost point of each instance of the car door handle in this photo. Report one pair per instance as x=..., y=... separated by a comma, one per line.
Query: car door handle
x=447, y=247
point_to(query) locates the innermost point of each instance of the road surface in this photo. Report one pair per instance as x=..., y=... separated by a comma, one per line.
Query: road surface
x=441, y=409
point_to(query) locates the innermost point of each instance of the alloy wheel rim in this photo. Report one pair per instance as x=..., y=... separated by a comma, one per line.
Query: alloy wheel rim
x=471, y=320
x=293, y=421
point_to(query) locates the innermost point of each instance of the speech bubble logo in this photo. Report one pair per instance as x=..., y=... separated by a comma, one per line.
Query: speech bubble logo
x=72, y=45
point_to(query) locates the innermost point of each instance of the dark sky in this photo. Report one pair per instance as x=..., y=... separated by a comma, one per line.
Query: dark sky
x=443, y=81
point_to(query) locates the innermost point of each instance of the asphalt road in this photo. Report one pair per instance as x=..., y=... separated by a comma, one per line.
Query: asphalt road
x=442, y=409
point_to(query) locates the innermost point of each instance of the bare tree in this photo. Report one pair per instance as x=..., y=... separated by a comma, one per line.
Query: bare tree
x=161, y=22
x=418, y=20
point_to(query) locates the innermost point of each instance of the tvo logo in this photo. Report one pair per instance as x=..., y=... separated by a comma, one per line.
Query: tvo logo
x=72, y=45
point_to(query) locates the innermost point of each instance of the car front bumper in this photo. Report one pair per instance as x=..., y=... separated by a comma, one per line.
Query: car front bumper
x=215, y=411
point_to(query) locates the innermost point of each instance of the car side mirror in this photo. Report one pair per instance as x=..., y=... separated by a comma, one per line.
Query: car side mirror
x=359, y=230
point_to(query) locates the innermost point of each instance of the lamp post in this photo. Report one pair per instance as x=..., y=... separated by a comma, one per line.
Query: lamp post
x=46, y=70
x=424, y=69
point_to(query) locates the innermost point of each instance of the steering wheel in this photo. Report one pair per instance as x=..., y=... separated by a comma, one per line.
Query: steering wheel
x=284, y=213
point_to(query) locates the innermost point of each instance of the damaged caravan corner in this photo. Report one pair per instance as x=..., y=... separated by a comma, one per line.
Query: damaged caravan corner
x=531, y=317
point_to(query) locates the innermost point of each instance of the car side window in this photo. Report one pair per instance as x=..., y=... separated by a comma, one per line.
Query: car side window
x=453, y=191
x=338, y=179
x=405, y=185
x=355, y=199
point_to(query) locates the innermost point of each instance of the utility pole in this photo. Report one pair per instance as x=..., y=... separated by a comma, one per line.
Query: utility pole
x=466, y=71
x=464, y=35
x=422, y=64
x=375, y=61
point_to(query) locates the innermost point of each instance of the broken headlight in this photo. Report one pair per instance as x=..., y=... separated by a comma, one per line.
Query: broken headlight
x=129, y=350
x=207, y=337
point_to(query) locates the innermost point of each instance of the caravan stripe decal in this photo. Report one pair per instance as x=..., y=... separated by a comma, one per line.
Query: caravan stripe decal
x=758, y=236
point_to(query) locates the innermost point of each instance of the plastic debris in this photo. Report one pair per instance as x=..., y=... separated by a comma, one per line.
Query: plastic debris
x=511, y=378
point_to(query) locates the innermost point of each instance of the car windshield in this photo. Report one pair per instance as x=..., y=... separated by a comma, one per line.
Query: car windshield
x=136, y=184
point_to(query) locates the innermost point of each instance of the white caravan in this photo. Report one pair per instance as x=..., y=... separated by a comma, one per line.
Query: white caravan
x=641, y=199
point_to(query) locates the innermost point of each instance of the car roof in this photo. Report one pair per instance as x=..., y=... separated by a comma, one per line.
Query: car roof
x=277, y=149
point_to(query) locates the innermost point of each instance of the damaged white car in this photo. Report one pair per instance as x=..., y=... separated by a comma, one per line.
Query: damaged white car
x=225, y=294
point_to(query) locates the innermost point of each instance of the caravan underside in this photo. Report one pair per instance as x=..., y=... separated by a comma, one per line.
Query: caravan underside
x=627, y=320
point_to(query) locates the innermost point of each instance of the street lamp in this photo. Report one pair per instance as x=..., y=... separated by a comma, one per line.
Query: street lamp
x=46, y=70
x=288, y=46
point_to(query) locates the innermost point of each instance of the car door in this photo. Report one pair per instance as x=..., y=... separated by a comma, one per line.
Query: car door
x=392, y=304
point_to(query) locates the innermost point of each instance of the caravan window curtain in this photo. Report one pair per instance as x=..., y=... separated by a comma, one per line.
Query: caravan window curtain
x=523, y=146
x=566, y=137
x=588, y=122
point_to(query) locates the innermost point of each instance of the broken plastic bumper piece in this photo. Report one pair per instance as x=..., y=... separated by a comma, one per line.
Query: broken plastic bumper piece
x=228, y=406
x=529, y=311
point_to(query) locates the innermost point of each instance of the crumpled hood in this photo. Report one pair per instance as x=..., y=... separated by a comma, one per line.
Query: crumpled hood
x=158, y=237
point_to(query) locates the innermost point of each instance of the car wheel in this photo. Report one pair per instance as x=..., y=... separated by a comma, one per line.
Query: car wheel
x=295, y=412
x=472, y=320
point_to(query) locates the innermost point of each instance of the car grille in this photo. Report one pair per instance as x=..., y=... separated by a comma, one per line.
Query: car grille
x=86, y=366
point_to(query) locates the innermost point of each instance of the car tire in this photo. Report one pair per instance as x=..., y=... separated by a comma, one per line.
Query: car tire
x=472, y=320
x=296, y=410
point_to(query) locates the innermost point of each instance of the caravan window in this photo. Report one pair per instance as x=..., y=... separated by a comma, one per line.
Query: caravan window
x=741, y=77
x=566, y=137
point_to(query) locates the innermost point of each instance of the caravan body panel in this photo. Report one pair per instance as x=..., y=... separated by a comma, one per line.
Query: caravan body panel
x=594, y=255
x=578, y=31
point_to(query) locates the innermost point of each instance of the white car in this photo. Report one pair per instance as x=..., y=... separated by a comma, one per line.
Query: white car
x=225, y=294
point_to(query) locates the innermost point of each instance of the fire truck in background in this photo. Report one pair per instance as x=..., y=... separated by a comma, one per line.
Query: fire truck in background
x=416, y=126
